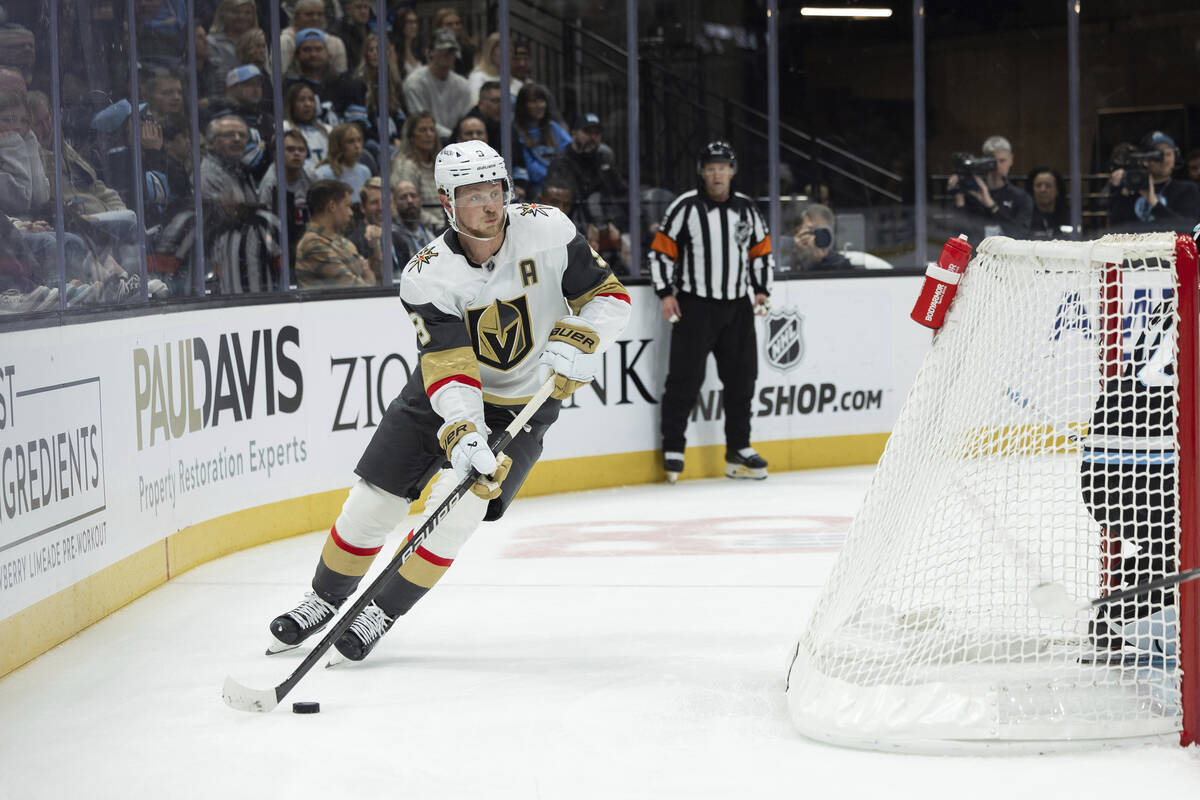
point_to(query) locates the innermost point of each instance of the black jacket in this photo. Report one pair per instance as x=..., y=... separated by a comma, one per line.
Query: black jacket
x=1177, y=209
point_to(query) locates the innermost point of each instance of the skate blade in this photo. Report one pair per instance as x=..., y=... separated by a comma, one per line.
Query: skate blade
x=744, y=473
x=335, y=660
x=276, y=647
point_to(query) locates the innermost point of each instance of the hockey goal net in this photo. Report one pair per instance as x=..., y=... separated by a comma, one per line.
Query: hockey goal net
x=1049, y=436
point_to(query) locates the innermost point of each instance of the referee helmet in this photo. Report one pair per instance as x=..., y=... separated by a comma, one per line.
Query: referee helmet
x=718, y=150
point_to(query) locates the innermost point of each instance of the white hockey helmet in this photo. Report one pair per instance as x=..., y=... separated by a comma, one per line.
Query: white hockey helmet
x=465, y=163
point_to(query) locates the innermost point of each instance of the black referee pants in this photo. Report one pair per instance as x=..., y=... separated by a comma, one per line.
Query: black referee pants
x=724, y=328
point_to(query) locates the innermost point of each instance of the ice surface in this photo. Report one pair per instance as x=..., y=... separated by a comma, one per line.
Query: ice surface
x=612, y=644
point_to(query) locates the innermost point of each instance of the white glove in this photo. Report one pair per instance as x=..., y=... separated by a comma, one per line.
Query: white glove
x=571, y=355
x=466, y=448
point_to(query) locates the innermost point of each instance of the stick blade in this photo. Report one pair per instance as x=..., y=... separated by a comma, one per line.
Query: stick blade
x=1052, y=598
x=243, y=698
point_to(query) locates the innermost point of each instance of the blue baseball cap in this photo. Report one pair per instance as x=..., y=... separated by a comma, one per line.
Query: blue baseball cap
x=1155, y=138
x=308, y=34
x=355, y=113
x=110, y=120
x=241, y=74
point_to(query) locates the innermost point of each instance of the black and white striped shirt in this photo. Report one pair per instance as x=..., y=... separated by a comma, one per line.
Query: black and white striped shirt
x=719, y=251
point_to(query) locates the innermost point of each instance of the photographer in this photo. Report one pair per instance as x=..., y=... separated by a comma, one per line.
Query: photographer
x=990, y=205
x=815, y=241
x=1143, y=197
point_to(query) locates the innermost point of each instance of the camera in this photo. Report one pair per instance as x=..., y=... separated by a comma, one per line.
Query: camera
x=968, y=165
x=1137, y=176
x=822, y=237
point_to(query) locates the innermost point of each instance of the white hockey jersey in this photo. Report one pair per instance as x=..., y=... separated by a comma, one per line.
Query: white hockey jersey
x=481, y=328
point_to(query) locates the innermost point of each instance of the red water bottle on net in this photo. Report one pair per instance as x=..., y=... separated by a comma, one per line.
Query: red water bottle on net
x=941, y=282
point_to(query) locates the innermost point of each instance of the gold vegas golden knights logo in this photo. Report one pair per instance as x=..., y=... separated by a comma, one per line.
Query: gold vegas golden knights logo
x=502, y=333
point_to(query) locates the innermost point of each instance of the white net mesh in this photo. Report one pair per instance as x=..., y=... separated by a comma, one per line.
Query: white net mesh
x=1036, y=445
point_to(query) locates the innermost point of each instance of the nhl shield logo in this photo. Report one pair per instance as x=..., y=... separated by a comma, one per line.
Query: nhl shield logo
x=501, y=333
x=784, y=348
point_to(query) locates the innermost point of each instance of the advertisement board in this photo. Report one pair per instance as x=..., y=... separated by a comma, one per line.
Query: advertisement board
x=117, y=434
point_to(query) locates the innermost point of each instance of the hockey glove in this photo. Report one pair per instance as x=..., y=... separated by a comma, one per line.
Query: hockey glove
x=487, y=487
x=571, y=355
x=466, y=448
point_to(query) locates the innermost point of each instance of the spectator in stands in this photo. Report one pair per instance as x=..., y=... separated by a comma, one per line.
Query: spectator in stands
x=82, y=187
x=560, y=193
x=163, y=93
x=993, y=206
x=299, y=177
x=325, y=258
x=334, y=90
x=169, y=247
x=1193, y=166
x=113, y=127
x=24, y=188
x=368, y=73
x=232, y=19
x=208, y=82
x=436, y=87
x=1154, y=202
x=414, y=162
x=487, y=66
x=25, y=195
x=354, y=27
x=252, y=49
x=240, y=236
x=84, y=195
x=538, y=139
x=310, y=15
x=408, y=207
x=449, y=19
x=18, y=50
x=518, y=67
x=160, y=30
x=300, y=114
x=244, y=98
x=246, y=94
x=408, y=43
x=589, y=164
x=342, y=164
x=488, y=110
x=366, y=234
x=177, y=148
x=1050, y=212
x=816, y=240
x=470, y=129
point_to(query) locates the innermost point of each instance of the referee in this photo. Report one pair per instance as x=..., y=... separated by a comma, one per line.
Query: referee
x=711, y=251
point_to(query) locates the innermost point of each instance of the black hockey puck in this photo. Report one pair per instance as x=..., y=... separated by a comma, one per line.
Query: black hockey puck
x=306, y=707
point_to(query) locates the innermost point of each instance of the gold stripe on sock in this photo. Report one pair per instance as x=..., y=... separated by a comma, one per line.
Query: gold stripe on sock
x=424, y=568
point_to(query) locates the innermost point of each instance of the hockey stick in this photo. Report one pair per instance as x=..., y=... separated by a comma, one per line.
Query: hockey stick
x=243, y=698
x=1052, y=598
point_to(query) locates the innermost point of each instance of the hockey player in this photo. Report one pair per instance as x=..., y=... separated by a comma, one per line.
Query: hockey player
x=1128, y=480
x=501, y=300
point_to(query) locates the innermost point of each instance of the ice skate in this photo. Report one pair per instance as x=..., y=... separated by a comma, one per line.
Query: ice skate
x=672, y=465
x=745, y=464
x=363, y=634
x=289, y=630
